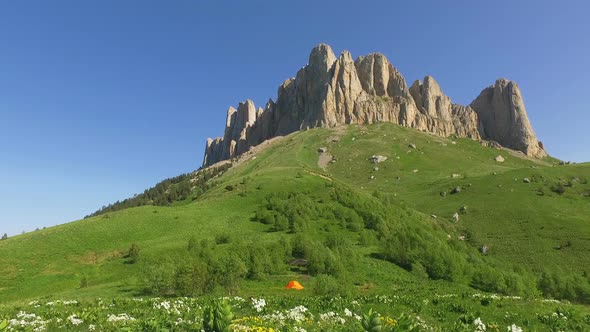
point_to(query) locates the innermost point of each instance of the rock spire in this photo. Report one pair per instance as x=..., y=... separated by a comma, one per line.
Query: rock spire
x=331, y=91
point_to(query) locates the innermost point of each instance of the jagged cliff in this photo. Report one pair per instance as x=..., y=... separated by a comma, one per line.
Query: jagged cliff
x=331, y=91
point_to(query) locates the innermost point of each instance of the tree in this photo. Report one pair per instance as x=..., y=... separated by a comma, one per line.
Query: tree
x=5, y=236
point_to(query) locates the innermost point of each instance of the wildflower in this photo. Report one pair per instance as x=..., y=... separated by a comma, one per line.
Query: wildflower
x=479, y=325
x=120, y=318
x=347, y=312
x=514, y=328
x=74, y=320
x=259, y=304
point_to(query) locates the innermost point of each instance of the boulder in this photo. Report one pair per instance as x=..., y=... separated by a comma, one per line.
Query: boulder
x=526, y=180
x=375, y=159
x=456, y=217
x=412, y=145
x=456, y=190
x=499, y=159
x=323, y=150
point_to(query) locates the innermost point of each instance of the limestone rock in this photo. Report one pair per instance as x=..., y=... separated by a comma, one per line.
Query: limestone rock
x=331, y=91
x=499, y=159
x=375, y=159
x=503, y=116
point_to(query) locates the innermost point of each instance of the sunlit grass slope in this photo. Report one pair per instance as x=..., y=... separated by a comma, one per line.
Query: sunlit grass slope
x=529, y=225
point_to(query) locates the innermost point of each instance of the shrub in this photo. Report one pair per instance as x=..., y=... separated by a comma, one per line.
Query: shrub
x=133, y=253
x=192, y=243
x=558, y=189
x=222, y=238
x=84, y=282
x=325, y=285
x=158, y=278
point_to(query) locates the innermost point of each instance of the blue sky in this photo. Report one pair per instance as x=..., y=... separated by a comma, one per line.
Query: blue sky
x=102, y=99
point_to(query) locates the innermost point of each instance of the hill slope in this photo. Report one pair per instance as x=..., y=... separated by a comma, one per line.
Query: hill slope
x=376, y=228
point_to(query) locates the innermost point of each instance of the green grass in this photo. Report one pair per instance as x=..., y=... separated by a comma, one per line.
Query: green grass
x=525, y=225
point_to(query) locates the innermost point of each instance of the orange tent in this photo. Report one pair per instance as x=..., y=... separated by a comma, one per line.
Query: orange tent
x=294, y=285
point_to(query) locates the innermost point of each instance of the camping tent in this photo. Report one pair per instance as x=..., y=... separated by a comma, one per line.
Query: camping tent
x=294, y=285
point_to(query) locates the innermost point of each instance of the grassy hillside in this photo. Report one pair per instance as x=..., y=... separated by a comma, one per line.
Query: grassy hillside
x=363, y=228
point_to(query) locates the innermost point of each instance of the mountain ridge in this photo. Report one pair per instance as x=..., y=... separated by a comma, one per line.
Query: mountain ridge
x=331, y=91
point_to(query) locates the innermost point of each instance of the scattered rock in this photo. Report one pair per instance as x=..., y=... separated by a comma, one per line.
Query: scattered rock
x=443, y=194
x=456, y=190
x=433, y=216
x=455, y=176
x=463, y=209
x=372, y=177
x=456, y=217
x=461, y=238
x=453, y=142
x=375, y=169
x=526, y=180
x=484, y=249
x=412, y=145
x=323, y=150
x=377, y=159
x=415, y=171
x=354, y=138
x=499, y=159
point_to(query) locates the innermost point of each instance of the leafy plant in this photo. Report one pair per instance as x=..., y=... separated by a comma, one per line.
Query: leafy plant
x=371, y=321
x=217, y=317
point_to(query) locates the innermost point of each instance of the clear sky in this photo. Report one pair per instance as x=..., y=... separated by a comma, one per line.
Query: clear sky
x=102, y=99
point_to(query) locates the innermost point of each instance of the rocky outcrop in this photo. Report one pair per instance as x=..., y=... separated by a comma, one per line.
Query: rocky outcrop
x=331, y=91
x=504, y=119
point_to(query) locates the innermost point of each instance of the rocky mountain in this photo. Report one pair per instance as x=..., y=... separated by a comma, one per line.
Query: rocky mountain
x=331, y=91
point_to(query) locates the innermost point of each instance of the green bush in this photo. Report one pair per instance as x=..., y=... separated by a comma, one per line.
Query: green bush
x=133, y=253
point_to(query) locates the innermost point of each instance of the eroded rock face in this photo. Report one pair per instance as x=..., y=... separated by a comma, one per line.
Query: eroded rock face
x=504, y=119
x=331, y=91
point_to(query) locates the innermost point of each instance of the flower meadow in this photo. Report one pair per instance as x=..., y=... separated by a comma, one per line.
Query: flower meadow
x=447, y=312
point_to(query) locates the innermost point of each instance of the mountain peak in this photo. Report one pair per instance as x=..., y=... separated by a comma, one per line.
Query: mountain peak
x=331, y=91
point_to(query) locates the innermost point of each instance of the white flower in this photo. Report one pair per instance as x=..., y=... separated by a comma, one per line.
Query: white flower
x=514, y=328
x=259, y=304
x=74, y=320
x=120, y=318
x=479, y=325
x=347, y=312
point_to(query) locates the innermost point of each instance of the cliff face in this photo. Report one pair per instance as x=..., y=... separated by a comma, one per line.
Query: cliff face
x=503, y=115
x=332, y=91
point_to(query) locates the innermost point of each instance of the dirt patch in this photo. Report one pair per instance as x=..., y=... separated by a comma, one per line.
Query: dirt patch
x=324, y=159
